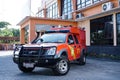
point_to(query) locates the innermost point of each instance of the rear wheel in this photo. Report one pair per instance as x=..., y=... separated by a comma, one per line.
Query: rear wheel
x=62, y=66
x=82, y=60
x=24, y=69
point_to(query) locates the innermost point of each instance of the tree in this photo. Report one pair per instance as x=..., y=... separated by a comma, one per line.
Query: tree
x=6, y=33
x=4, y=24
x=10, y=32
x=16, y=32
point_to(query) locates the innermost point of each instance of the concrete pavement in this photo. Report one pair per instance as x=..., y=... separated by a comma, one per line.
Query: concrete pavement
x=95, y=69
x=6, y=53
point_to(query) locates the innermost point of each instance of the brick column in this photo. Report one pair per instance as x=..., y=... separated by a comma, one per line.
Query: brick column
x=31, y=31
x=74, y=2
x=22, y=36
x=45, y=13
x=59, y=7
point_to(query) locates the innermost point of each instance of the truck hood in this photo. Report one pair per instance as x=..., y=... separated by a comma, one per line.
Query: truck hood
x=42, y=45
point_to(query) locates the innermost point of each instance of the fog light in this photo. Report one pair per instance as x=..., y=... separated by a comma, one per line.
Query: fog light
x=46, y=61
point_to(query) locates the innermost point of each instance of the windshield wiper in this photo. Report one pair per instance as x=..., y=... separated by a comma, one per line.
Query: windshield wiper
x=57, y=42
x=47, y=42
x=53, y=42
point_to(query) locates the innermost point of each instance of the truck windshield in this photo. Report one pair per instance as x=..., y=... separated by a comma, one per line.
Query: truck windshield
x=52, y=38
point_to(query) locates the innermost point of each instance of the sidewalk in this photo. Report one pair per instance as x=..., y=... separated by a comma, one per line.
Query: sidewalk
x=6, y=53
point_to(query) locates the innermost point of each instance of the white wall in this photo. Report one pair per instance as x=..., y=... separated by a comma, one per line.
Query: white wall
x=86, y=25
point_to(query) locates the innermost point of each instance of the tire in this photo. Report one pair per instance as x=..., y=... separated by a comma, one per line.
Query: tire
x=62, y=66
x=24, y=69
x=82, y=60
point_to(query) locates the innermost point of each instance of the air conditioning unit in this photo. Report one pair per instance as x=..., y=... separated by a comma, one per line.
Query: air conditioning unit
x=64, y=16
x=107, y=6
x=80, y=15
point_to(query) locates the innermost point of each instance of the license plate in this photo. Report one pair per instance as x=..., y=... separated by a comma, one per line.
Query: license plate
x=28, y=65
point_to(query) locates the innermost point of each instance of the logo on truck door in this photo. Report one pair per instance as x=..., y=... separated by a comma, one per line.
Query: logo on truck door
x=72, y=51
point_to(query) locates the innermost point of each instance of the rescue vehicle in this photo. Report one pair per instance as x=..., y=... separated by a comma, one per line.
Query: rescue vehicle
x=55, y=49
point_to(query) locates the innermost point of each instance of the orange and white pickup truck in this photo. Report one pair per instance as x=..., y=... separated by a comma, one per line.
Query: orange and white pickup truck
x=55, y=49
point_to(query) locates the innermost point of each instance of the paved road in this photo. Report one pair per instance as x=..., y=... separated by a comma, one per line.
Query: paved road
x=95, y=69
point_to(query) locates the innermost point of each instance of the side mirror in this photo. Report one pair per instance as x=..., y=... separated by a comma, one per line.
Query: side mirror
x=71, y=42
x=41, y=40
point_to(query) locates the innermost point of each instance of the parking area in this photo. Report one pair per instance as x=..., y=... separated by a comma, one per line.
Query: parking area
x=95, y=69
x=6, y=53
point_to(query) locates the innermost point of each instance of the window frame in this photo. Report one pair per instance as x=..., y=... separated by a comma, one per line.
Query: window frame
x=67, y=7
x=85, y=3
x=102, y=33
x=82, y=4
x=118, y=28
x=71, y=39
x=76, y=39
x=52, y=11
x=41, y=13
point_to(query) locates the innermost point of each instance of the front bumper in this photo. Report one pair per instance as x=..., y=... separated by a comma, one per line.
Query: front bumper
x=39, y=62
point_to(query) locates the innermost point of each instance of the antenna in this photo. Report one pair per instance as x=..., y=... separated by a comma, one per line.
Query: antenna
x=29, y=7
x=31, y=13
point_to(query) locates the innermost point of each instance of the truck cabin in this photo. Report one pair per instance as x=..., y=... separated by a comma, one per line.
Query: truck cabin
x=80, y=33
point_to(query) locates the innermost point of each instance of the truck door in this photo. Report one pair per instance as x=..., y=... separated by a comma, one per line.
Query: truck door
x=72, y=46
x=77, y=45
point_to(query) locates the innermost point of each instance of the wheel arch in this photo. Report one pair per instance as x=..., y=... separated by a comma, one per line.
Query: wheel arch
x=83, y=52
x=62, y=52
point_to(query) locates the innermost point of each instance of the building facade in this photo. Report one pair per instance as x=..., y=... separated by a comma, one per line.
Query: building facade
x=100, y=18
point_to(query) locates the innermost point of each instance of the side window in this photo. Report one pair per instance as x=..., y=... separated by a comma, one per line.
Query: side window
x=76, y=40
x=70, y=39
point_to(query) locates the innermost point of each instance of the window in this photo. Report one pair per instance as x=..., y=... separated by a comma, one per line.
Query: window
x=76, y=40
x=70, y=39
x=95, y=1
x=101, y=31
x=52, y=38
x=41, y=13
x=52, y=11
x=26, y=33
x=40, y=27
x=66, y=7
x=83, y=3
x=118, y=28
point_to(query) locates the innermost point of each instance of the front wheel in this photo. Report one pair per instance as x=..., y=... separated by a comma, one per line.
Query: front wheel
x=62, y=66
x=24, y=69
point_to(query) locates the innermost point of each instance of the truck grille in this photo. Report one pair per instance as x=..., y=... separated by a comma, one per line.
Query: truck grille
x=34, y=51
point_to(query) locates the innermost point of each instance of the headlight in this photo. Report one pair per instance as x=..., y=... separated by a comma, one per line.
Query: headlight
x=51, y=51
x=17, y=50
